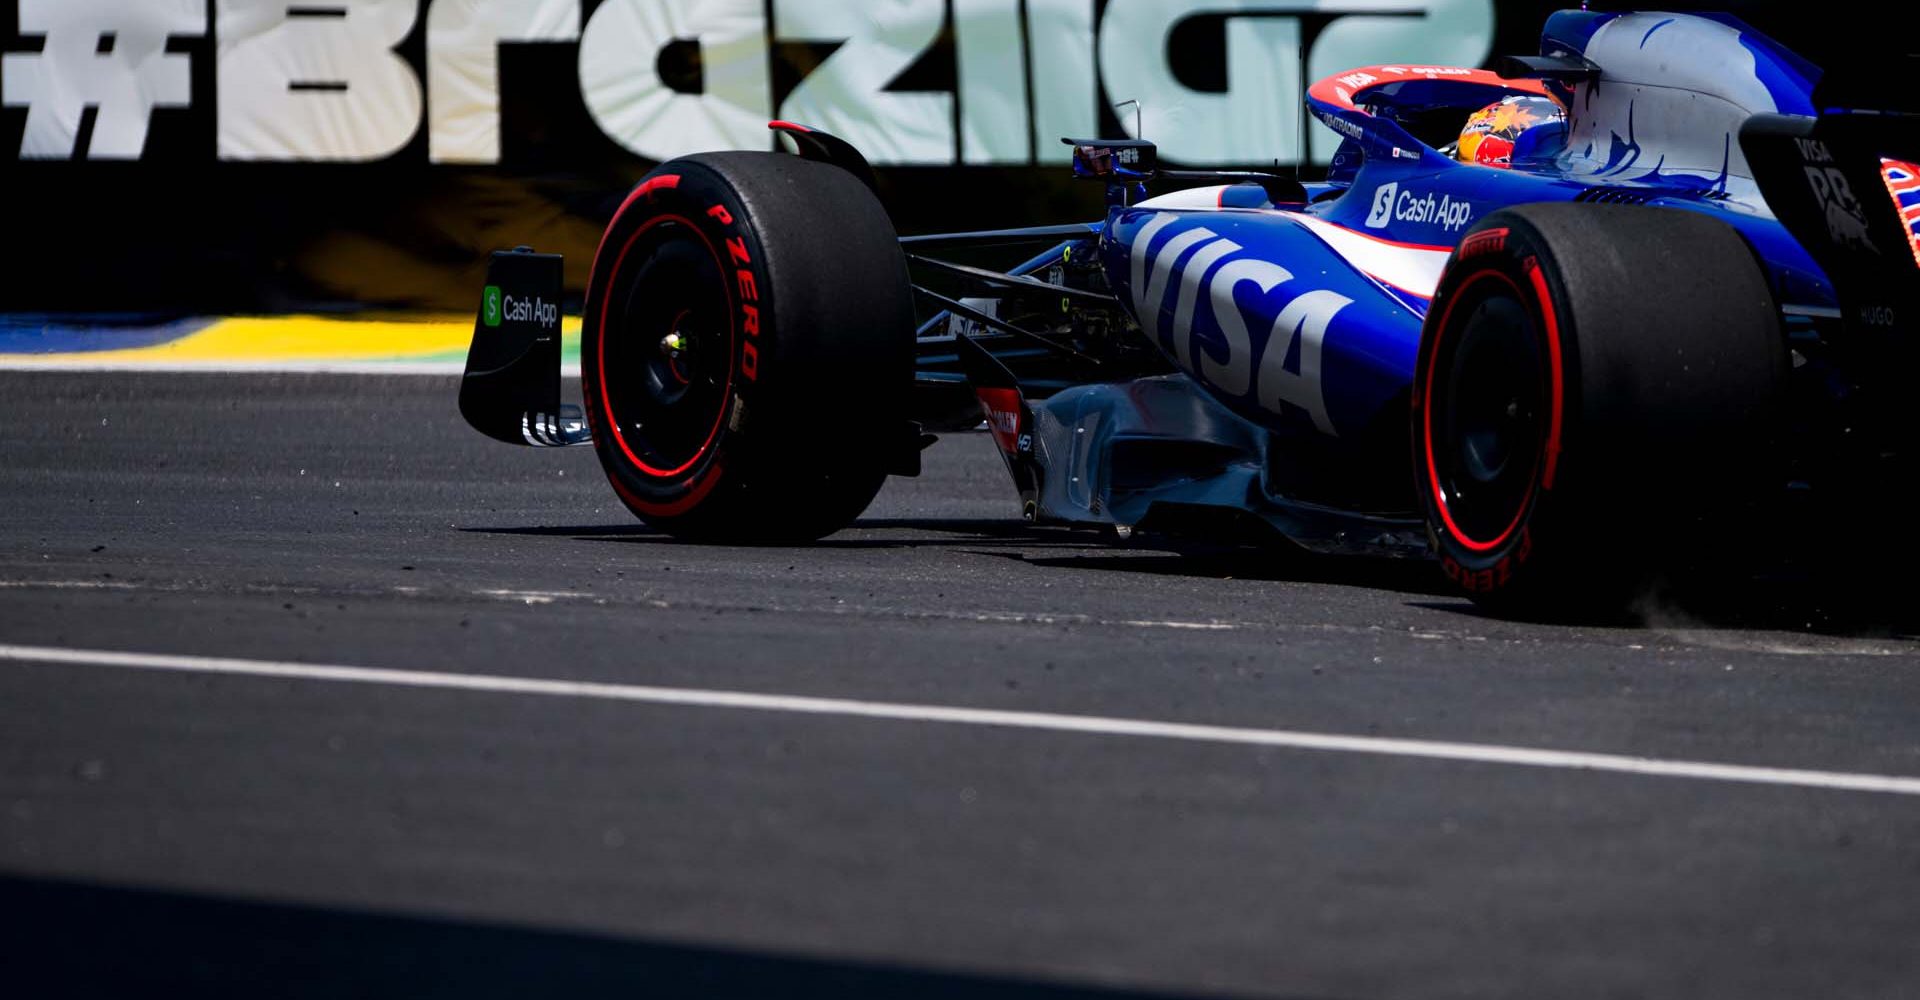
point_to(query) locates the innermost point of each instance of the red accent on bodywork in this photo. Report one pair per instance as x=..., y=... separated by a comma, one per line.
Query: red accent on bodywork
x=1902, y=180
x=781, y=126
x=1438, y=248
x=1003, y=408
x=1337, y=91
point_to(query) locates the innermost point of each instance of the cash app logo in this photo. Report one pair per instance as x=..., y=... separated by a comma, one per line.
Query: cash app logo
x=490, y=306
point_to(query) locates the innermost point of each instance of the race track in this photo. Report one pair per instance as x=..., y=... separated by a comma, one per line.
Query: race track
x=939, y=754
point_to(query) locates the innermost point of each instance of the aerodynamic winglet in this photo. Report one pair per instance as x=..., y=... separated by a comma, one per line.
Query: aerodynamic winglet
x=511, y=389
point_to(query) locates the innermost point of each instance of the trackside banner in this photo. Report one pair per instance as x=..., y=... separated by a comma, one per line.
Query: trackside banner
x=259, y=154
x=325, y=80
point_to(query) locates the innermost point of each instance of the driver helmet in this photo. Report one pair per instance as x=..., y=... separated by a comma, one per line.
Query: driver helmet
x=1491, y=132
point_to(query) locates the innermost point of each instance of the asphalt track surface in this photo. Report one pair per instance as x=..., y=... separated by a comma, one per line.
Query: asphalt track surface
x=206, y=831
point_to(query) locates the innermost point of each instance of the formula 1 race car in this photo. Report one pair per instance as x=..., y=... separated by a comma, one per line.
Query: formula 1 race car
x=1558, y=323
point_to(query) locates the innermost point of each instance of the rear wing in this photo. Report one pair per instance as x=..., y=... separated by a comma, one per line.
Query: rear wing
x=1845, y=185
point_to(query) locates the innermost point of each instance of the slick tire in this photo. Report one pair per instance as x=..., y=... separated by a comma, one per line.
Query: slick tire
x=747, y=348
x=1597, y=394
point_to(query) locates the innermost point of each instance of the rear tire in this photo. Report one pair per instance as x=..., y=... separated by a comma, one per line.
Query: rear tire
x=1597, y=390
x=747, y=348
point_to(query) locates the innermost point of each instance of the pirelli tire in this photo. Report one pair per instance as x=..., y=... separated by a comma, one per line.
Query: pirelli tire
x=747, y=347
x=1595, y=404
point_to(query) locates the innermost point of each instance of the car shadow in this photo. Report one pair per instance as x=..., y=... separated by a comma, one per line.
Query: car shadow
x=1834, y=602
x=1814, y=605
x=70, y=939
x=929, y=532
x=1074, y=548
x=1270, y=563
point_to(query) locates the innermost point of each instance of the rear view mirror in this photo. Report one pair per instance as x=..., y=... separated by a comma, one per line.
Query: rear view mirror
x=1113, y=159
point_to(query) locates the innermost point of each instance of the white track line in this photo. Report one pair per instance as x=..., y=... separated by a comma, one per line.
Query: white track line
x=1474, y=753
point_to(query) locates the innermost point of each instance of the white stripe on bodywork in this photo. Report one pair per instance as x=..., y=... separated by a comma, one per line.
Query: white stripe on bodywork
x=1408, y=268
x=1187, y=198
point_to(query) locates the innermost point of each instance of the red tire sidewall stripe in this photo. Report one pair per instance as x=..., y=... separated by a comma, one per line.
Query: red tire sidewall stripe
x=600, y=346
x=664, y=182
x=1550, y=452
x=1544, y=300
x=670, y=508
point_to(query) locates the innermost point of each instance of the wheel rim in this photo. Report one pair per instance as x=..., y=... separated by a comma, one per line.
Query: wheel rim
x=666, y=349
x=1486, y=406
